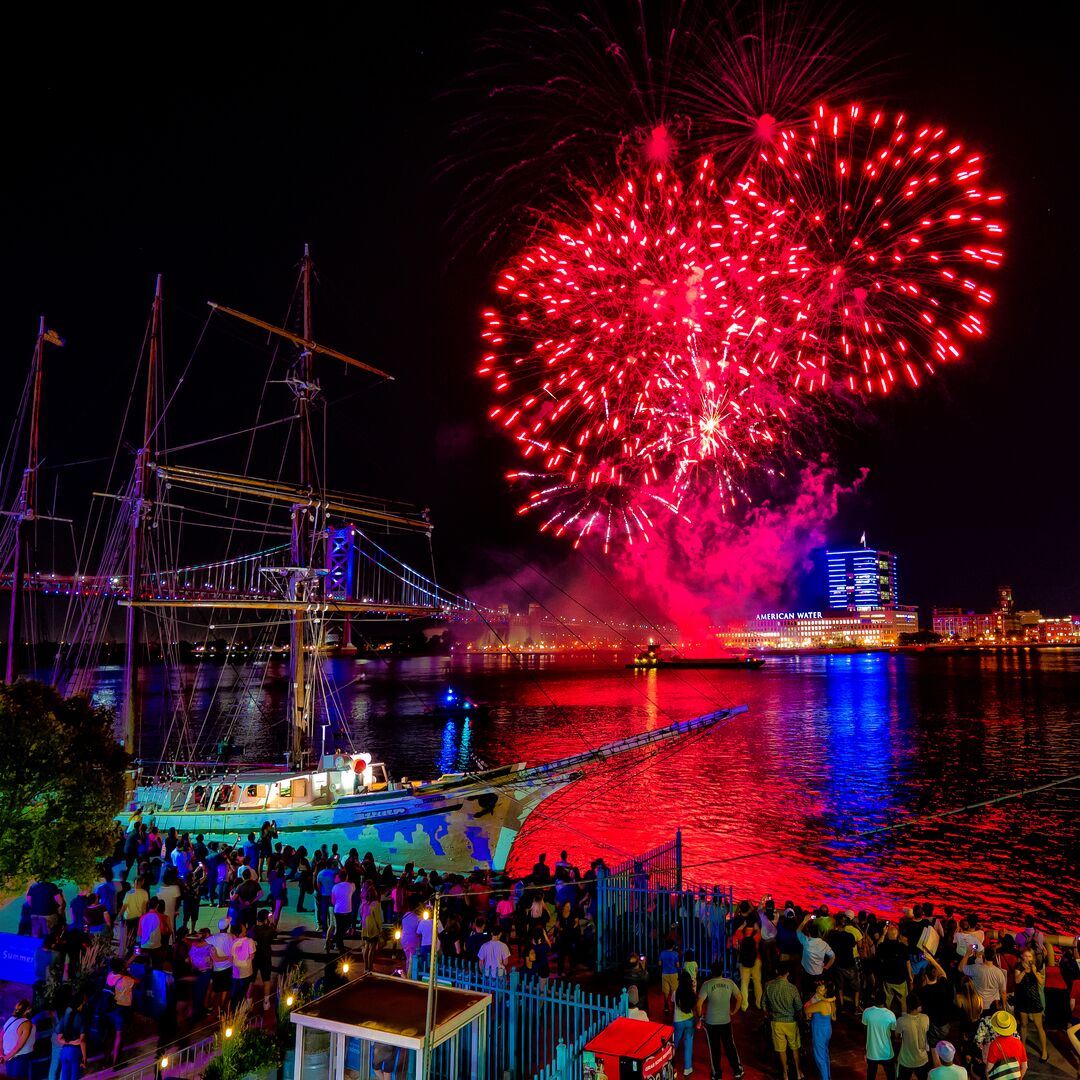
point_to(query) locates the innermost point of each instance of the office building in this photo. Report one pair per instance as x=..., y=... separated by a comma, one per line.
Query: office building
x=861, y=579
x=871, y=628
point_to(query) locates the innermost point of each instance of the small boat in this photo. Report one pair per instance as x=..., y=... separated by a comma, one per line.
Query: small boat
x=452, y=706
x=653, y=658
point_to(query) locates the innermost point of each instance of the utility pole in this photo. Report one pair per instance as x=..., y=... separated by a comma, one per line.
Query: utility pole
x=141, y=508
x=429, y=1020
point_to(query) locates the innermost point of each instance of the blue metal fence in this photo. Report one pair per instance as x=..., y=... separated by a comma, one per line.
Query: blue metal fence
x=531, y=1031
x=641, y=905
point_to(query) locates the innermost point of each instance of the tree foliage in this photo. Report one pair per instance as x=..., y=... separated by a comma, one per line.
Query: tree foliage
x=61, y=784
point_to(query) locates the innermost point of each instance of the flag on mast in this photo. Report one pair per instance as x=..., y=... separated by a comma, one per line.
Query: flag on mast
x=862, y=539
x=53, y=338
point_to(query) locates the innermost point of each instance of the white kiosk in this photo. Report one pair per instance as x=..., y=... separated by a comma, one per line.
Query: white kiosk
x=342, y=1029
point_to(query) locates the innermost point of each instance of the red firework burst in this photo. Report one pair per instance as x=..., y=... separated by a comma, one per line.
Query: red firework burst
x=663, y=342
x=630, y=354
x=894, y=231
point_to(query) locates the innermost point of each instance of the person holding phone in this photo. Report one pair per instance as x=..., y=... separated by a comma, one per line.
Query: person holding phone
x=989, y=979
x=1030, y=979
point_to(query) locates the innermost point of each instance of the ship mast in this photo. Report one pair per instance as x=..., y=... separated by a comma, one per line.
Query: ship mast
x=140, y=515
x=24, y=507
x=301, y=550
x=309, y=504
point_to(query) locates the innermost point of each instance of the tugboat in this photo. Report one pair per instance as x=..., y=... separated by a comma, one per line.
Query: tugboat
x=452, y=706
x=653, y=658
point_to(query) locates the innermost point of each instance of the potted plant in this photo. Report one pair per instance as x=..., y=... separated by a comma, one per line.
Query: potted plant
x=293, y=992
x=243, y=1052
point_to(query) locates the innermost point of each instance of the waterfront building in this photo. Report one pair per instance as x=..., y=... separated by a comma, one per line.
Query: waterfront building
x=1005, y=624
x=955, y=624
x=1060, y=631
x=869, y=628
x=861, y=579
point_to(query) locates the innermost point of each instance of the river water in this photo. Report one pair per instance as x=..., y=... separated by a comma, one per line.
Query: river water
x=831, y=788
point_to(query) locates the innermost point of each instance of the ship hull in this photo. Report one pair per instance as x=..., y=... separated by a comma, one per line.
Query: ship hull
x=452, y=829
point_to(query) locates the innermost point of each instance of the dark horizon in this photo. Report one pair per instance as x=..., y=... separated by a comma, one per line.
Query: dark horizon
x=215, y=168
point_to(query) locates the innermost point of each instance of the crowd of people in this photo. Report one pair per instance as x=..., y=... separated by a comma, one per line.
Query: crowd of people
x=938, y=995
x=939, y=986
x=106, y=950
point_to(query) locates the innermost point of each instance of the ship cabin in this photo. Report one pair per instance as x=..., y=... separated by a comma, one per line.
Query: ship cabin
x=341, y=775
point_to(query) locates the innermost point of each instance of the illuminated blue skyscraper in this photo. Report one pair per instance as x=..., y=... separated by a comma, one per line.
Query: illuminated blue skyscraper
x=861, y=578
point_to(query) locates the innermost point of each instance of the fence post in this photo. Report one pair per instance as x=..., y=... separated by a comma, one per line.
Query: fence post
x=561, y=1061
x=512, y=1003
x=678, y=860
x=601, y=899
x=624, y=1002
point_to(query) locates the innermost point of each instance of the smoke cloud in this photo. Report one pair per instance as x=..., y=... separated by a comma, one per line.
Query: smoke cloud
x=715, y=569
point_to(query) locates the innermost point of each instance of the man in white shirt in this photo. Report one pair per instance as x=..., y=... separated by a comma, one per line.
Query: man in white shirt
x=424, y=930
x=988, y=978
x=243, y=956
x=150, y=927
x=494, y=954
x=634, y=1010
x=817, y=956
x=221, y=977
x=341, y=898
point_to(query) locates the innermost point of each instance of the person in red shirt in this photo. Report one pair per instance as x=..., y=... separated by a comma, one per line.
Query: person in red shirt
x=1004, y=1049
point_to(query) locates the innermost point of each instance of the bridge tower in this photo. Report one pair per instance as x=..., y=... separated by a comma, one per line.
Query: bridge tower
x=340, y=581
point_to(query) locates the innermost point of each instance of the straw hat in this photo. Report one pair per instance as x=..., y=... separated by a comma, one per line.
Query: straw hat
x=1003, y=1023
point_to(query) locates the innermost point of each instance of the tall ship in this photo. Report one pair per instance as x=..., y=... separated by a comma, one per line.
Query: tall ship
x=322, y=557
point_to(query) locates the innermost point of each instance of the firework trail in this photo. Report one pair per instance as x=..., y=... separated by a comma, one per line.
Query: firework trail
x=560, y=96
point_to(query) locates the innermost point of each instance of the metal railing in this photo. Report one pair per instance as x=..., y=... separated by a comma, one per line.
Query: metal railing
x=531, y=1028
x=180, y=1061
x=641, y=906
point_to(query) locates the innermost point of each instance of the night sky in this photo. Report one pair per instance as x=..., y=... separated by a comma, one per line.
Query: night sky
x=210, y=144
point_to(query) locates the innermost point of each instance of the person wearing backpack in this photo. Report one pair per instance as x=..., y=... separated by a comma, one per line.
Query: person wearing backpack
x=19, y=1035
x=1005, y=1055
x=120, y=987
x=748, y=944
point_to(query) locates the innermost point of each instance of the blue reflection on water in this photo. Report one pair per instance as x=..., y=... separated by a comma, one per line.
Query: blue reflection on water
x=455, y=752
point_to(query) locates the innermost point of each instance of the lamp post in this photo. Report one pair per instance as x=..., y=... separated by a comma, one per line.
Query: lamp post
x=429, y=1020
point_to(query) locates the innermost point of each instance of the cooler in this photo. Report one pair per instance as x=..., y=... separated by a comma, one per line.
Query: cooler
x=630, y=1050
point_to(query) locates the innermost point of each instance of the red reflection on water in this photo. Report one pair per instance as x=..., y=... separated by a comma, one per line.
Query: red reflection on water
x=799, y=797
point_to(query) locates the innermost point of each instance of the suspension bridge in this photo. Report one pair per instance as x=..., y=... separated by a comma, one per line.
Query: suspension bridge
x=359, y=577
